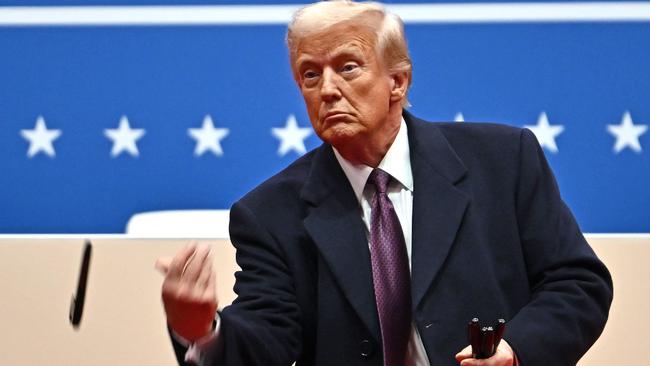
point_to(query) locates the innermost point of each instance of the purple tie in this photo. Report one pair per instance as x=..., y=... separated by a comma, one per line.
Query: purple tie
x=390, y=272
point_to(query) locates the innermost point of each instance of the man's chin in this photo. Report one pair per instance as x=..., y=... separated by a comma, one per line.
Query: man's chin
x=341, y=137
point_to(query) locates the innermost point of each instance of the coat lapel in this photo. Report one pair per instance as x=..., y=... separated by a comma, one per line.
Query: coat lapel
x=335, y=225
x=334, y=221
x=438, y=205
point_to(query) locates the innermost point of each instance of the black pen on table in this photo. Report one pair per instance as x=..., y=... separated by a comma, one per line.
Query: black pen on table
x=79, y=298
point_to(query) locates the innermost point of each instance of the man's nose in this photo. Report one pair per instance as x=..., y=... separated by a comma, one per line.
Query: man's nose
x=329, y=88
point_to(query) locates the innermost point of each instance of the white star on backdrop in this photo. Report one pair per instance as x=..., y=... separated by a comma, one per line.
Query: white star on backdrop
x=627, y=134
x=208, y=138
x=459, y=117
x=546, y=133
x=40, y=138
x=291, y=136
x=124, y=138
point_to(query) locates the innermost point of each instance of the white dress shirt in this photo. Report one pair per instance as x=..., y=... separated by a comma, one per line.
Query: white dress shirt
x=397, y=163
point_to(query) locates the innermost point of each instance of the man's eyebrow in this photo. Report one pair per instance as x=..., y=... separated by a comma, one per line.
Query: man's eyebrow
x=302, y=60
x=306, y=63
x=348, y=50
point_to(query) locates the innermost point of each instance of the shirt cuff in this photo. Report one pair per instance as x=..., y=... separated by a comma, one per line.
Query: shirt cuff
x=197, y=350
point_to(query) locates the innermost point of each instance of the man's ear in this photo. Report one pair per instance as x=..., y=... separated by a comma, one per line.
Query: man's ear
x=399, y=85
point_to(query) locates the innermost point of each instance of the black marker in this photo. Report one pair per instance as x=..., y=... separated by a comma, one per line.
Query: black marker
x=498, y=332
x=488, y=342
x=78, y=299
x=474, y=336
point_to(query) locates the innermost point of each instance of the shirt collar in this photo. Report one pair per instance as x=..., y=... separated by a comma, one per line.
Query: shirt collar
x=396, y=162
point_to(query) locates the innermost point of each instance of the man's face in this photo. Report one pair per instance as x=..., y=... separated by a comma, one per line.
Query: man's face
x=346, y=87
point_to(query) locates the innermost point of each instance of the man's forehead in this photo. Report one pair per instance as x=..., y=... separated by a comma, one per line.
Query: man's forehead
x=332, y=50
x=327, y=45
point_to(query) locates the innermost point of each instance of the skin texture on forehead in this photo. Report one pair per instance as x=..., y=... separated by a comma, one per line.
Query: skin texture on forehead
x=317, y=52
x=325, y=48
x=361, y=29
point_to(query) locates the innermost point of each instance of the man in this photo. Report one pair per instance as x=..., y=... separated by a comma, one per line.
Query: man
x=379, y=246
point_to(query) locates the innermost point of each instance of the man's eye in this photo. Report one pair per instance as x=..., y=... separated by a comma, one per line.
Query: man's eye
x=349, y=67
x=309, y=74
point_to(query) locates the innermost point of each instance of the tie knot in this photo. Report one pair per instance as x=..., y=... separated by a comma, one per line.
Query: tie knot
x=379, y=179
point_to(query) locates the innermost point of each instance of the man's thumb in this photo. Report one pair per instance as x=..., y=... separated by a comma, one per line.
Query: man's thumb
x=162, y=264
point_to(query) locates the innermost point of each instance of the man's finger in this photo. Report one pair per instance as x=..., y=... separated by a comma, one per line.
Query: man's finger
x=180, y=260
x=472, y=362
x=211, y=288
x=481, y=362
x=504, y=356
x=163, y=264
x=206, y=273
x=464, y=353
x=196, y=263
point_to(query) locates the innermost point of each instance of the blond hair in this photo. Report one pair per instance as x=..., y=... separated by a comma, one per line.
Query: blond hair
x=390, y=43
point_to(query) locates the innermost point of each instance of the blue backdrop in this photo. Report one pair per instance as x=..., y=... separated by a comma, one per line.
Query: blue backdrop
x=165, y=80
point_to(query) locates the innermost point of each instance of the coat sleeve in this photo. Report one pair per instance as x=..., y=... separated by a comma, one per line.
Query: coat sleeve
x=571, y=289
x=262, y=325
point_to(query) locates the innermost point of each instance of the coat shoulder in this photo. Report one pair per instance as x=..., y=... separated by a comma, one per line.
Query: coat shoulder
x=485, y=134
x=483, y=141
x=283, y=188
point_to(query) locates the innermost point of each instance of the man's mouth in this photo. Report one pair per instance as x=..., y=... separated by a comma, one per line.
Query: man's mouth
x=334, y=116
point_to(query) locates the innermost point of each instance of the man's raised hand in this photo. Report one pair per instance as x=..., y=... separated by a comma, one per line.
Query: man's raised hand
x=189, y=291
